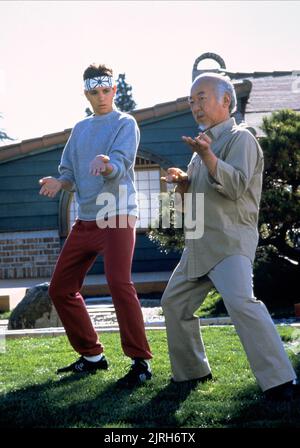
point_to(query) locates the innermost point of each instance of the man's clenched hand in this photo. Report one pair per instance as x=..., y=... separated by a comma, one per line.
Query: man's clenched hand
x=175, y=175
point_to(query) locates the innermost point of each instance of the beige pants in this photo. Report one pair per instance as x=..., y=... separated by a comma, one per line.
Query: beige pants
x=232, y=278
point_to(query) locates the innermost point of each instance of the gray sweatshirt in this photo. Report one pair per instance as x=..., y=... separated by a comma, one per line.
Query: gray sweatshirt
x=117, y=135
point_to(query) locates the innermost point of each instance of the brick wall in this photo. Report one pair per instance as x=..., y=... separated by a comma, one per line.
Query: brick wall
x=28, y=254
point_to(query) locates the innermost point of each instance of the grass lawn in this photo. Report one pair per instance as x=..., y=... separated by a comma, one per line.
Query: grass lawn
x=32, y=395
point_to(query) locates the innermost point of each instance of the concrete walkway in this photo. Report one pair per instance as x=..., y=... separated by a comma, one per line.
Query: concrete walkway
x=104, y=320
x=100, y=279
x=12, y=291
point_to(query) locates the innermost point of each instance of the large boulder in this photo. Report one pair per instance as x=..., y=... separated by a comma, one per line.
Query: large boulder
x=35, y=310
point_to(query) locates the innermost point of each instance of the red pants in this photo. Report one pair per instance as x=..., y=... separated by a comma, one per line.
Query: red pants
x=84, y=243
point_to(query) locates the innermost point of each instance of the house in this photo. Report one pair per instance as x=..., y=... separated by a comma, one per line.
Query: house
x=33, y=228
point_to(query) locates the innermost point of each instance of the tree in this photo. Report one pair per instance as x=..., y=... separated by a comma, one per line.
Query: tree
x=3, y=134
x=124, y=100
x=280, y=203
x=88, y=112
x=276, y=268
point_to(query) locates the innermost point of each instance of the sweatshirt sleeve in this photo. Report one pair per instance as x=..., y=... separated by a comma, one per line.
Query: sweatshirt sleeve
x=234, y=173
x=65, y=168
x=123, y=151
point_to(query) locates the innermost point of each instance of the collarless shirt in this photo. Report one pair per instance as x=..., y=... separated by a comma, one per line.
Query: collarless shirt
x=115, y=134
x=231, y=198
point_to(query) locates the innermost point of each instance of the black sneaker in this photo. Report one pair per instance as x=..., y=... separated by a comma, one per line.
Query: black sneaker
x=138, y=374
x=201, y=379
x=82, y=365
x=283, y=392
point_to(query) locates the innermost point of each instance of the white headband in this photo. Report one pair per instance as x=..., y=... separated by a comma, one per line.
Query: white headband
x=99, y=81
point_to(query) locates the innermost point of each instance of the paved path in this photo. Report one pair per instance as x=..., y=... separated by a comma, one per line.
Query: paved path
x=104, y=319
x=145, y=282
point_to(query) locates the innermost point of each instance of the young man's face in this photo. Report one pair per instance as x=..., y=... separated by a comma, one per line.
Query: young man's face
x=205, y=107
x=101, y=99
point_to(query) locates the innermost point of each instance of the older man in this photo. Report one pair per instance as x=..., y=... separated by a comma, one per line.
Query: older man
x=227, y=167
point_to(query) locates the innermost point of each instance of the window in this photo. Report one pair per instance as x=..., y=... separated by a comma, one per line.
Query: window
x=148, y=187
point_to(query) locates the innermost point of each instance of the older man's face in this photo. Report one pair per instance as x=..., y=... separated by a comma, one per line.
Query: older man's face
x=205, y=107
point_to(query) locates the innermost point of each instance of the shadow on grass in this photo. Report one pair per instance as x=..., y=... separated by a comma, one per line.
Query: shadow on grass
x=53, y=405
x=258, y=413
x=160, y=410
x=48, y=404
x=65, y=403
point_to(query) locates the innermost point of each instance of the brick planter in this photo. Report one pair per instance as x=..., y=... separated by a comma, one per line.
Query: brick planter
x=28, y=254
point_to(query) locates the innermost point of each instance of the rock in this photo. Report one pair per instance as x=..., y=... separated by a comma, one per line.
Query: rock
x=35, y=310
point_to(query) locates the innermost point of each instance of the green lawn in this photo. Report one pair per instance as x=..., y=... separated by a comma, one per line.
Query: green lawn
x=31, y=395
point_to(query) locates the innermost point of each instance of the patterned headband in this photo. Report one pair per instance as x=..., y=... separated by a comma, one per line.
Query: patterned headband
x=99, y=81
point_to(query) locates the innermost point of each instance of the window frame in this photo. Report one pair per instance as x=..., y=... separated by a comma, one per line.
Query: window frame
x=162, y=185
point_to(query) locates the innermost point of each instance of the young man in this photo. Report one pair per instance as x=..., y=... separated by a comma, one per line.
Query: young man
x=98, y=158
x=226, y=167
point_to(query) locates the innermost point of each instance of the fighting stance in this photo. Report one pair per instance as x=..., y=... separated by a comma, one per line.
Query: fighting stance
x=227, y=167
x=98, y=158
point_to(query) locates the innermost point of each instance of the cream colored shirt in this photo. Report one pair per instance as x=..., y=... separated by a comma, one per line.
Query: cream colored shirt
x=231, y=198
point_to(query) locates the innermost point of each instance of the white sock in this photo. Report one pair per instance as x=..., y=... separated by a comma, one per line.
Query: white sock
x=146, y=361
x=95, y=358
x=148, y=364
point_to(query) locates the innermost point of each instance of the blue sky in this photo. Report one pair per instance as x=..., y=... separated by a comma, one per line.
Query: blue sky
x=46, y=45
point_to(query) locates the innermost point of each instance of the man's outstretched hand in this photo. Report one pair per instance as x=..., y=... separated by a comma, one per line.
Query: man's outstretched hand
x=199, y=144
x=50, y=186
x=100, y=165
x=202, y=146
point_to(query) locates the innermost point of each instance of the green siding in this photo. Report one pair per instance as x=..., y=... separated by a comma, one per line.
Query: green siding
x=163, y=137
x=27, y=223
x=21, y=206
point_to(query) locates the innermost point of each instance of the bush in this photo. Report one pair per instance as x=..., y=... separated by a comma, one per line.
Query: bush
x=170, y=238
x=276, y=279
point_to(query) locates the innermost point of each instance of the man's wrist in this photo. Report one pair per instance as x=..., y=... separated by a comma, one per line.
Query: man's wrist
x=181, y=187
x=108, y=169
x=183, y=182
x=65, y=184
x=210, y=160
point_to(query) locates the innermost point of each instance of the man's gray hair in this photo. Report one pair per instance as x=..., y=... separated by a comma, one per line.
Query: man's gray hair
x=222, y=84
